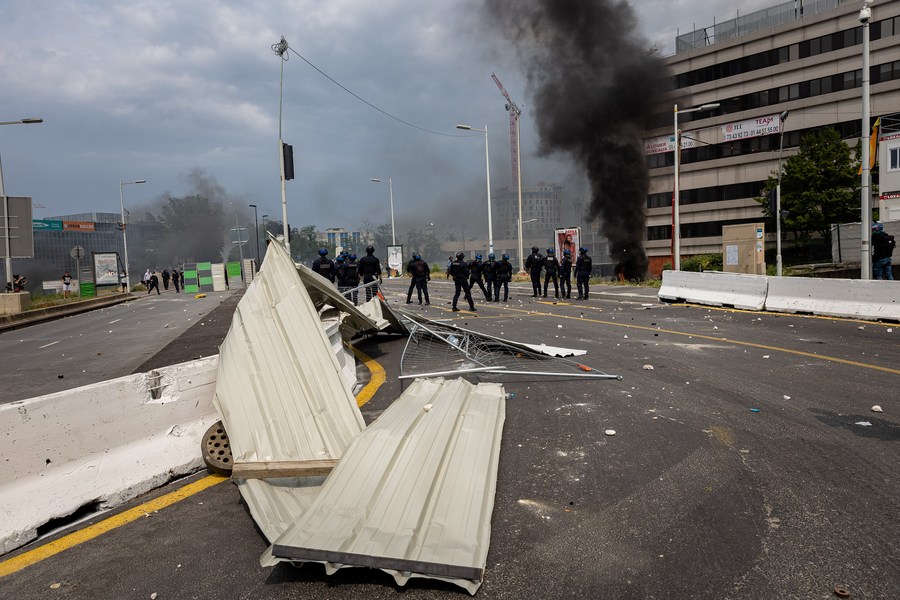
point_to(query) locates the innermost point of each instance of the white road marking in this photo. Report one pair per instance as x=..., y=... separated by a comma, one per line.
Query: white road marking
x=47, y=345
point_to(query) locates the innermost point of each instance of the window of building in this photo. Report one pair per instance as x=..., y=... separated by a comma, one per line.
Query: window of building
x=894, y=158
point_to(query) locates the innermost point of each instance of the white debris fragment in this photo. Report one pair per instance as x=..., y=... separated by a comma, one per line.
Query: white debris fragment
x=427, y=407
x=560, y=326
x=610, y=432
x=786, y=397
x=890, y=329
x=876, y=408
x=861, y=327
x=765, y=356
x=863, y=423
x=54, y=586
x=715, y=326
x=626, y=337
x=153, y=596
x=647, y=367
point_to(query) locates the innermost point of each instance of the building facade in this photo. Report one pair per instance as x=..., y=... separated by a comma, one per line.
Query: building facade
x=801, y=57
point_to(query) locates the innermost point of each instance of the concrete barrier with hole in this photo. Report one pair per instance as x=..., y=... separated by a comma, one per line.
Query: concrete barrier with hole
x=735, y=290
x=853, y=298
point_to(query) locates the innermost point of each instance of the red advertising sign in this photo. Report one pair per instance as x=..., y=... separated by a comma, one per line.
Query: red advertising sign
x=83, y=226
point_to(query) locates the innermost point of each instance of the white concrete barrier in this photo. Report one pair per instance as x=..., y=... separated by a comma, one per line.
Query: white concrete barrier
x=854, y=298
x=715, y=288
x=100, y=444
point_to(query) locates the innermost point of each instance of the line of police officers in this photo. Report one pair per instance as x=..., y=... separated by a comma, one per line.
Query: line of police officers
x=348, y=272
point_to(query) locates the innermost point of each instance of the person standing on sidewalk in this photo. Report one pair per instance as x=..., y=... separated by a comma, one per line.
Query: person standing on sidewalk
x=67, y=284
x=882, y=248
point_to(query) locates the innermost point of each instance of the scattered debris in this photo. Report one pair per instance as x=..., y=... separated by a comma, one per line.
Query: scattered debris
x=876, y=408
x=54, y=586
x=765, y=356
x=842, y=591
x=786, y=397
x=647, y=367
x=754, y=410
x=863, y=423
x=610, y=432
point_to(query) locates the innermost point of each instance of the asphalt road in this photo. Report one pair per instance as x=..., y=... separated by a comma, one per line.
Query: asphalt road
x=739, y=469
x=102, y=344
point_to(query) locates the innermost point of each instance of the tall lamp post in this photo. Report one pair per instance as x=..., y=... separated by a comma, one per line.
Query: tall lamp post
x=280, y=48
x=487, y=162
x=256, y=228
x=865, y=264
x=676, y=198
x=391, y=191
x=124, y=236
x=782, y=118
x=6, y=227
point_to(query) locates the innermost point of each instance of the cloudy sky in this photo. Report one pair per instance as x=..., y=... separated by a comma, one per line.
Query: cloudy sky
x=185, y=95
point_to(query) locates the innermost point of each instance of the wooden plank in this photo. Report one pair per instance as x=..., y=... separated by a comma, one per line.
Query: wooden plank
x=283, y=468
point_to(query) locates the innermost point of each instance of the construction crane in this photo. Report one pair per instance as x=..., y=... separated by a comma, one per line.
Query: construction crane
x=514, y=111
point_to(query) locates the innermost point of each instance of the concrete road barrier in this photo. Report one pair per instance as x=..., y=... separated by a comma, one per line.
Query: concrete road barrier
x=101, y=444
x=715, y=288
x=854, y=298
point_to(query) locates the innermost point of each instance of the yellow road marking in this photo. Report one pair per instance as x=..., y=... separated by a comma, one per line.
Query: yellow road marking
x=31, y=557
x=376, y=380
x=26, y=559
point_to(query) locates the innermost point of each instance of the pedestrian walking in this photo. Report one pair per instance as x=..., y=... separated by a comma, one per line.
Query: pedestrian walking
x=165, y=277
x=176, y=280
x=153, y=284
x=147, y=278
x=882, y=248
x=67, y=284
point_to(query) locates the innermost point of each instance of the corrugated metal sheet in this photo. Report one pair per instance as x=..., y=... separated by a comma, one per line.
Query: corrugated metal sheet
x=414, y=493
x=323, y=294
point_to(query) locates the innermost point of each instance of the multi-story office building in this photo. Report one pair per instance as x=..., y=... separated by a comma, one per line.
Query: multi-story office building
x=336, y=239
x=804, y=57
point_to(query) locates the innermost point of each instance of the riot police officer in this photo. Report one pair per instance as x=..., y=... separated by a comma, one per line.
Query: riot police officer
x=324, y=266
x=583, y=267
x=459, y=271
x=421, y=275
x=533, y=264
x=370, y=270
x=348, y=276
x=565, y=270
x=551, y=270
x=488, y=269
x=412, y=279
x=476, y=276
x=503, y=272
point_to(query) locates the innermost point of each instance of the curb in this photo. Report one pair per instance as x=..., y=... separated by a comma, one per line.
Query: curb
x=40, y=315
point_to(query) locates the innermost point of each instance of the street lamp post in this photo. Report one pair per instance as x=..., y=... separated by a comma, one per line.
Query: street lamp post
x=280, y=48
x=6, y=227
x=487, y=163
x=865, y=265
x=782, y=118
x=256, y=228
x=124, y=236
x=676, y=198
x=391, y=192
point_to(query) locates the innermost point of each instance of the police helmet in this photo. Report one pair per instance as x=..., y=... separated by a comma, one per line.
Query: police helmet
x=534, y=248
x=876, y=226
x=582, y=250
x=551, y=251
x=352, y=257
x=491, y=256
x=340, y=258
x=505, y=257
x=322, y=251
x=567, y=252
x=460, y=256
x=477, y=257
x=370, y=249
x=416, y=256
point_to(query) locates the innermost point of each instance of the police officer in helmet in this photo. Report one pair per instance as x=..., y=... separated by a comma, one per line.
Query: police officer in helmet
x=488, y=269
x=503, y=272
x=533, y=264
x=551, y=268
x=459, y=271
x=475, y=276
x=421, y=274
x=583, y=267
x=370, y=270
x=565, y=270
x=324, y=266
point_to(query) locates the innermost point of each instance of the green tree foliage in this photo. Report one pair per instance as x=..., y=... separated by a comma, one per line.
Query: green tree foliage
x=304, y=247
x=383, y=239
x=194, y=228
x=819, y=185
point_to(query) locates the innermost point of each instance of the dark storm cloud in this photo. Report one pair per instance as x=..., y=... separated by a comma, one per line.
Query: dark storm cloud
x=593, y=82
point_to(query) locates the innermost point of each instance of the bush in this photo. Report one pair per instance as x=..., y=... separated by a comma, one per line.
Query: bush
x=703, y=262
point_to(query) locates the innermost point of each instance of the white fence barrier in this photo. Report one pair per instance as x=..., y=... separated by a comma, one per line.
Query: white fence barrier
x=714, y=288
x=855, y=298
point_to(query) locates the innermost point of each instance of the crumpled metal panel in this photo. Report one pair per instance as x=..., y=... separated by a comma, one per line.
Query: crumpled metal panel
x=279, y=389
x=414, y=493
x=379, y=311
x=323, y=294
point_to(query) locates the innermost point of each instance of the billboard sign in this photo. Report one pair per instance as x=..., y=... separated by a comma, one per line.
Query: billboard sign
x=568, y=239
x=395, y=258
x=45, y=225
x=83, y=226
x=106, y=268
x=751, y=128
x=666, y=143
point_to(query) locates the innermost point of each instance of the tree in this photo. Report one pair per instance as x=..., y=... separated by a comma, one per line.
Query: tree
x=819, y=185
x=383, y=238
x=304, y=247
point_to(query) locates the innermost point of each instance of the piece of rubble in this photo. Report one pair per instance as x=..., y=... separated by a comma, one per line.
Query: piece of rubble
x=610, y=432
x=647, y=367
x=876, y=408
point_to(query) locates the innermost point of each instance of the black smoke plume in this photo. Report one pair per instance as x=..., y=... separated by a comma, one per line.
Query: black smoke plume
x=594, y=81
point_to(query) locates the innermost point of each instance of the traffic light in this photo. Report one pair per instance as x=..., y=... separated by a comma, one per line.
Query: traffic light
x=288, y=156
x=773, y=201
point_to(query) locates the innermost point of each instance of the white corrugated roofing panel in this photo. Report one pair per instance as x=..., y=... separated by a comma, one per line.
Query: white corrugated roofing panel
x=279, y=389
x=414, y=493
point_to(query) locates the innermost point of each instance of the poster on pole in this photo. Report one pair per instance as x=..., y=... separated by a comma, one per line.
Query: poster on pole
x=395, y=260
x=106, y=268
x=568, y=239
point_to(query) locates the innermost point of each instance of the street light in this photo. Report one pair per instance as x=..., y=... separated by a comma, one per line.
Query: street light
x=487, y=162
x=865, y=264
x=391, y=189
x=280, y=48
x=782, y=118
x=7, y=232
x=256, y=227
x=124, y=236
x=676, y=199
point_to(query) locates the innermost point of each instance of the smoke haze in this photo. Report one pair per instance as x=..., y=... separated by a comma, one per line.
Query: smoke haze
x=593, y=82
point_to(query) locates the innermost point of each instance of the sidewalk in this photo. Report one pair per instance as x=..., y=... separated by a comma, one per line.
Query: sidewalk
x=39, y=315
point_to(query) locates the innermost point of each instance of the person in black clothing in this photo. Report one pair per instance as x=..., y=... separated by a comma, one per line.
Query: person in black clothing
x=348, y=276
x=154, y=283
x=476, y=276
x=533, y=264
x=503, y=272
x=565, y=274
x=421, y=275
x=324, y=266
x=583, y=267
x=882, y=249
x=551, y=271
x=488, y=269
x=176, y=279
x=165, y=276
x=370, y=269
x=412, y=279
x=459, y=271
